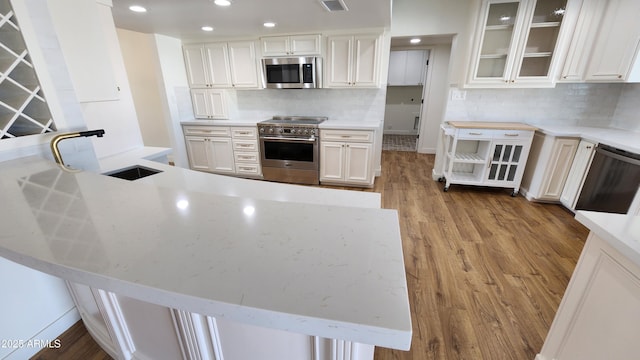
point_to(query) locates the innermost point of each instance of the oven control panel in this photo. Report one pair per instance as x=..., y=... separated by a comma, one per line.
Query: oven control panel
x=287, y=131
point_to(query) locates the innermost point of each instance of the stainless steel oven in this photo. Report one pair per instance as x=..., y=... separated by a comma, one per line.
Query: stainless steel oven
x=612, y=181
x=289, y=149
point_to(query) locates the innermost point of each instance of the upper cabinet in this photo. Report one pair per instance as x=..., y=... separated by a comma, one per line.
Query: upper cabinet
x=221, y=65
x=517, y=42
x=407, y=67
x=297, y=45
x=353, y=61
x=616, y=42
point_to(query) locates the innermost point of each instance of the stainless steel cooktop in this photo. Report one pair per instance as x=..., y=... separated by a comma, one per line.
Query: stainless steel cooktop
x=309, y=121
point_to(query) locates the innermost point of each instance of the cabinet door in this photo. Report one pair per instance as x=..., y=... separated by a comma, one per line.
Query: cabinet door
x=358, y=163
x=200, y=98
x=506, y=162
x=535, y=56
x=194, y=58
x=616, y=43
x=209, y=104
x=275, y=46
x=340, y=62
x=332, y=161
x=221, y=155
x=305, y=45
x=583, y=37
x=558, y=168
x=197, y=151
x=577, y=174
x=365, y=65
x=218, y=65
x=242, y=58
x=494, y=47
x=397, y=63
x=415, y=67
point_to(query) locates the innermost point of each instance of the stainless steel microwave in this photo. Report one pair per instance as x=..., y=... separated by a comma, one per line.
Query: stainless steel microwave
x=292, y=72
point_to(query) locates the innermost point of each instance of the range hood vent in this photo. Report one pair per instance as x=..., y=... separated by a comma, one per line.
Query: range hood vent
x=334, y=5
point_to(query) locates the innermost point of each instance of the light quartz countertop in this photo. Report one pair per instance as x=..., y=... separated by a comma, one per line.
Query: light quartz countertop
x=305, y=267
x=619, y=230
x=621, y=139
x=491, y=125
x=328, y=124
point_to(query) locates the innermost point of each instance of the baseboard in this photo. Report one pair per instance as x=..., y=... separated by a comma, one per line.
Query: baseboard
x=399, y=132
x=427, y=150
x=48, y=334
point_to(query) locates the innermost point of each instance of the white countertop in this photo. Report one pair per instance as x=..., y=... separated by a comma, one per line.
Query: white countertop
x=328, y=124
x=619, y=230
x=621, y=139
x=330, y=271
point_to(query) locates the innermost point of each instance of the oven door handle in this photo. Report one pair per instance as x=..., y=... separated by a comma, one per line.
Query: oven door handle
x=311, y=139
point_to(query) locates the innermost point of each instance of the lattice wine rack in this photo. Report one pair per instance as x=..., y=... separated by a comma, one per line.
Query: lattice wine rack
x=23, y=108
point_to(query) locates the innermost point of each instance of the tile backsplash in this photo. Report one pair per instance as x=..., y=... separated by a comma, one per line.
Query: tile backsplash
x=342, y=104
x=600, y=105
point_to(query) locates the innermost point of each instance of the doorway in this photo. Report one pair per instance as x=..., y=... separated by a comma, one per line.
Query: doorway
x=414, y=108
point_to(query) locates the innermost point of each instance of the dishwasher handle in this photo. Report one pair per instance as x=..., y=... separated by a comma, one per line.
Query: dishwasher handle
x=618, y=154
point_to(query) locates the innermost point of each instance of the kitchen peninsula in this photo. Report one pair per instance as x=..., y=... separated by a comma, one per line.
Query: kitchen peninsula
x=280, y=268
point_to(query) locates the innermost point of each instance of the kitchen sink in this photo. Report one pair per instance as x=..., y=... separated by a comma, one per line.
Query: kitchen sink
x=133, y=172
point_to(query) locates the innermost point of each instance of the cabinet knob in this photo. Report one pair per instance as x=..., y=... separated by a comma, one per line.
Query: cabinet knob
x=588, y=147
x=564, y=77
x=619, y=76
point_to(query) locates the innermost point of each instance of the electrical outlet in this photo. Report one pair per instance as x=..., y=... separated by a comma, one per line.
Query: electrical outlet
x=458, y=94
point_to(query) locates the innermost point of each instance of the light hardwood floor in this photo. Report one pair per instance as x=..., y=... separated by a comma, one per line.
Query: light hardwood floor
x=485, y=271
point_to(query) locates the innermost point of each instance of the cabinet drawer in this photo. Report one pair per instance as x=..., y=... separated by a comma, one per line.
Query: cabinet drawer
x=248, y=169
x=347, y=135
x=204, y=130
x=245, y=145
x=244, y=133
x=475, y=133
x=512, y=134
x=247, y=157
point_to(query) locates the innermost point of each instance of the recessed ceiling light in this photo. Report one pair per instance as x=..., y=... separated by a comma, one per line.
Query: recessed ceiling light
x=222, y=2
x=207, y=28
x=137, y=8
x=414, y=41
x=269, y=24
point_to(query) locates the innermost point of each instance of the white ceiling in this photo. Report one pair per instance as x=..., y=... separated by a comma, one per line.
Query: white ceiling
x=244, y=18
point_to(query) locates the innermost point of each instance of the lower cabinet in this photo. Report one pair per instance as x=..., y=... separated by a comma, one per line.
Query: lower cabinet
x=549, y=163
x=346, y=157
x=223, y=149
x=212, y=154
x=128, y=328
x=599, y=313
x=577, y=174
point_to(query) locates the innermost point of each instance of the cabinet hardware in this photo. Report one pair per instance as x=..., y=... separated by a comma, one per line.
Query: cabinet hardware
x=588, y=147
x=511, y=134
x=345, y=136
x=475, y=133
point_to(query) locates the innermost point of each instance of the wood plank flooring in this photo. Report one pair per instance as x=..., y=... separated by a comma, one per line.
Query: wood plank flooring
x=485, y=271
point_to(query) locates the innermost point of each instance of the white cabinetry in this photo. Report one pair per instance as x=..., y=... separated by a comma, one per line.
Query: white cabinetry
x=577, y=174
x=485, y=154
x=291, y=45
x=209, y=104
x=221, y=65
x=599, y=312
x=245, y=151
x=517, y=42
x=548, y=166
x=210, y=148
x=353, y=61
x=407, y=67
x=616, y=43
x=346, y=157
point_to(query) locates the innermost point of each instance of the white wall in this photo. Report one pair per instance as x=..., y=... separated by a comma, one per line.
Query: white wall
x=176, y=90
x=141, y=61
x=626, y=114
x=566, y=104
x=438, y=17
x=435, y=99
x=402, y=107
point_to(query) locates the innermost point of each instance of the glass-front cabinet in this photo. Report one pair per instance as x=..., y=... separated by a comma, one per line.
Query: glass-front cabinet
x=516, y=43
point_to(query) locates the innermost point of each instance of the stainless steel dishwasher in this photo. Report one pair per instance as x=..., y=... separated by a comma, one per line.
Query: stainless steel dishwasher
x=612, y=181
